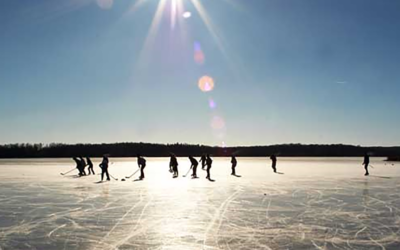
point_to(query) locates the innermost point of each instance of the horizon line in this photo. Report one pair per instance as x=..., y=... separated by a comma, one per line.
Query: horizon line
x=192, y=144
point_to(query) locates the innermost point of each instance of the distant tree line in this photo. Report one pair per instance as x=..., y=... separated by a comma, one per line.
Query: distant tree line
x=57, y=150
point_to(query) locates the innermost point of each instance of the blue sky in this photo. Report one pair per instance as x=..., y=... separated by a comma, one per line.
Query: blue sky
x=308, y=71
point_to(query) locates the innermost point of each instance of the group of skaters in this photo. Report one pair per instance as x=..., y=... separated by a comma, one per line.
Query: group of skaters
x=206, y=164
x=81, y=164
x=205, y=160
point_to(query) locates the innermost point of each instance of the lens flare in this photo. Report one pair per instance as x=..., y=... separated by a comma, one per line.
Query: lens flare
x=105, y=4
x=206, y=84
x=199, y=57
x=217, y=123
x=187, y=14
x=212, y=104
x=197, y=46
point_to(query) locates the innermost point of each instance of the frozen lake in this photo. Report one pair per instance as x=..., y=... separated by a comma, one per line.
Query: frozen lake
x=317, y=203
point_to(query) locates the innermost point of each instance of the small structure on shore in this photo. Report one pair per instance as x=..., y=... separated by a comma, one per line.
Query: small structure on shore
x=393, y=158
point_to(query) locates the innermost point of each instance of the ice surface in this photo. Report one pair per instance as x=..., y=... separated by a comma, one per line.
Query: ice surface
x=317, y=203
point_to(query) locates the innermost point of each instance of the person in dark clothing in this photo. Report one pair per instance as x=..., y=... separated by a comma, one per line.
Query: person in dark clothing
x=83, y=165
x=208, y=163
x=90, y=164
x=273, y=159
x=104, y=168
x=203, y=160
x=173, y=164
x=194, y=165
x=78, y=165
x=141, y=164
x=234, y=163
x=366, y=164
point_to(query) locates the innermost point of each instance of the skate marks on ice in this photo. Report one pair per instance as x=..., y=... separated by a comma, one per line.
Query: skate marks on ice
x=325, y=214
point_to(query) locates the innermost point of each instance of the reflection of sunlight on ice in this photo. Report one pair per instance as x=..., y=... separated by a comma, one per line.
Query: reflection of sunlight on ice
x=316, y=203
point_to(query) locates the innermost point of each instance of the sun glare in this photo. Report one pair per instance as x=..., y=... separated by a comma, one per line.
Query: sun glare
x=177, y=13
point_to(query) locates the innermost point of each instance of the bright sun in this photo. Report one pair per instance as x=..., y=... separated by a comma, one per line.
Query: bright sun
x=177, y=15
